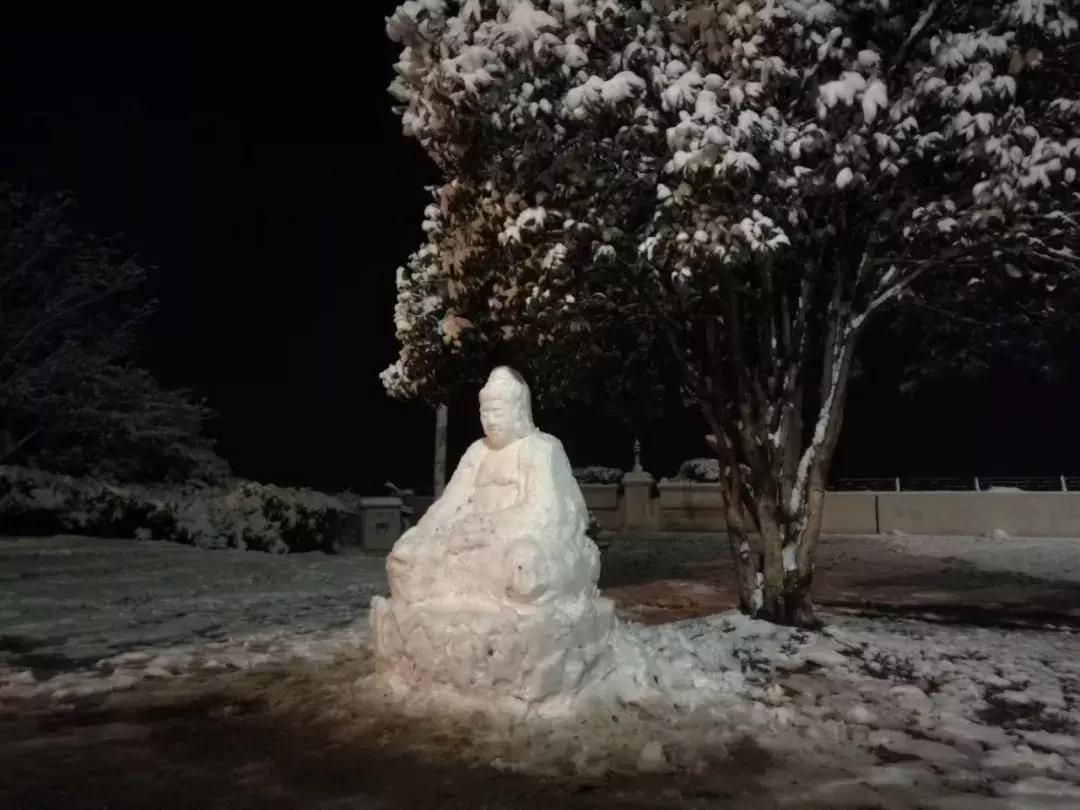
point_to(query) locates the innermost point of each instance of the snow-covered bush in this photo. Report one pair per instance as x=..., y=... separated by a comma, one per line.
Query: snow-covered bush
x=244, y=515
x=597, y=474
x=36, y=502
x=262, y=517
x=699, y=469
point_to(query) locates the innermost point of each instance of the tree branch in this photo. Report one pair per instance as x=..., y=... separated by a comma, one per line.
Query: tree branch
x=917, y=31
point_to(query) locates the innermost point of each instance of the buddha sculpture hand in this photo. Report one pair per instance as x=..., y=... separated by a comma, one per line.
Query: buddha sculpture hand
x=472, y=531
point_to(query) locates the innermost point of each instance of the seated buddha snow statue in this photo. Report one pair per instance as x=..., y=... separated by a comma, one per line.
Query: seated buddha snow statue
x=493, y=591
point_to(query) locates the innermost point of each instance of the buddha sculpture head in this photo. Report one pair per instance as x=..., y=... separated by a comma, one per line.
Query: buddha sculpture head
x=505, y=407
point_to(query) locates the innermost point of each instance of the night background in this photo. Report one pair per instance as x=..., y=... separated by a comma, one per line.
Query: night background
x=263, y=173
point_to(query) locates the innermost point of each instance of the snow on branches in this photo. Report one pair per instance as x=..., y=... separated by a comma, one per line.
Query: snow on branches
x=887, y=138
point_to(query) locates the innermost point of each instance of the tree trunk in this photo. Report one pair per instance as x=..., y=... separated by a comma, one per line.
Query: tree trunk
x=781, y=495
x=790, y=541
x=742, y=555
x=785, y=592
x=774, y=593
x=441, y=421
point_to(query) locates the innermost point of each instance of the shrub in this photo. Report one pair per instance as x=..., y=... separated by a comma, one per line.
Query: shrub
x=241, y=515
x=699, y=469
x=598, y=475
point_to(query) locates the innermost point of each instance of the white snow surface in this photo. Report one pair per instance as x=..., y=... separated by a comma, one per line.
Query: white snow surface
x=1051, y=558
x=83, y=615
x=894, y=712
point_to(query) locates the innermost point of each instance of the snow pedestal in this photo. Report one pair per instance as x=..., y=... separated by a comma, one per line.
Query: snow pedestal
x=523, y=656
x=493, y=593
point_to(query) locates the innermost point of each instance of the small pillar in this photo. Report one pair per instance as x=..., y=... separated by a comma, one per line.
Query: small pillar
x=381, y=522
x=640, y=510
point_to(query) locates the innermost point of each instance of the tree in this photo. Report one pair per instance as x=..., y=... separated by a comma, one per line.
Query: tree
x=731, y=192
x=72, y=398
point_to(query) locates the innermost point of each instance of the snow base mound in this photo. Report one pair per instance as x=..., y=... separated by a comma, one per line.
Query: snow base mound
x=554, y=664
x=515, y=658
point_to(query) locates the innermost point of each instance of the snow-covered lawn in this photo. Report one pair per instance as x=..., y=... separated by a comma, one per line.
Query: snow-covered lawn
x=81, y=615
x=108, y=645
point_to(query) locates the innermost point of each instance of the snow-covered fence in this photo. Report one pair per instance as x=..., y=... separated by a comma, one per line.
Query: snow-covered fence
x=1001, y=504
x=981, y=483
x=698, y=506
x=695, y=506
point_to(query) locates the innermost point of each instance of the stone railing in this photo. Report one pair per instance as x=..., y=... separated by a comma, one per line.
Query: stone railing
x=641, y=504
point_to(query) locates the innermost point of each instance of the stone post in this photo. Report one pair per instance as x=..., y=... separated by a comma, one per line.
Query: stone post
x=441, y=420
x=381, y=522
x=641, y=512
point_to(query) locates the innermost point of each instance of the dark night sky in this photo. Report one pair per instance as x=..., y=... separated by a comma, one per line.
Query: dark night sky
x=262, y=171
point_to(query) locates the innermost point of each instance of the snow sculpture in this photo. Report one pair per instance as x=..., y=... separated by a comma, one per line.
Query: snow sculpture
x=494, y=590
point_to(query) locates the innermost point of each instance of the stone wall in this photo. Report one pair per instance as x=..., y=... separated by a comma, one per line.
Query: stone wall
x=696, y=507
x=1025, y=514
x=604, y=502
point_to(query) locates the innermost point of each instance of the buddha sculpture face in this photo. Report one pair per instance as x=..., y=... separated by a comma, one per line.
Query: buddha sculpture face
x=505, y=411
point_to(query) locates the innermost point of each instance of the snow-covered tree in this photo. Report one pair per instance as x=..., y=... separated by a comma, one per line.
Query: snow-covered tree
x=743, y=186
x=72, y=399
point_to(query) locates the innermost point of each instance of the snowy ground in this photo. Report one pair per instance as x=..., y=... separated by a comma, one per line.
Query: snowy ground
x=82, y=615
x=143, y=674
